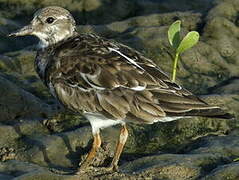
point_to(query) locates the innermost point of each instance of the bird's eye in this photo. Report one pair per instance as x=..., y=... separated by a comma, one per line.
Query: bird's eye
x=50, y=20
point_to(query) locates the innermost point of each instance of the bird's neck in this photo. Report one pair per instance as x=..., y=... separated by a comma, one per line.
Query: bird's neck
x=55, y=39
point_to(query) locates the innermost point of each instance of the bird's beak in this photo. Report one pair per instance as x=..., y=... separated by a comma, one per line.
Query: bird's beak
x=26, y=30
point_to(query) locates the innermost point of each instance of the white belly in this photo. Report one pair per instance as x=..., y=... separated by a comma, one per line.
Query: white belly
x=98, y=122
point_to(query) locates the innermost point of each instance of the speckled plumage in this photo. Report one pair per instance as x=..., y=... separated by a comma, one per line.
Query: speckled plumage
x=87, y=76
x=106, y=81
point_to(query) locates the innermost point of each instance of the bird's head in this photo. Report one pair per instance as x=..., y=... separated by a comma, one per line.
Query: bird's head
x=51, y=25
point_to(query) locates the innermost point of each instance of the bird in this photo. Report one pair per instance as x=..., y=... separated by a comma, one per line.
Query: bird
x=107, y=82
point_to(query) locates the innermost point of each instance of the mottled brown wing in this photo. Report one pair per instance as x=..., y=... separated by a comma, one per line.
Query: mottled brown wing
x=90, y=74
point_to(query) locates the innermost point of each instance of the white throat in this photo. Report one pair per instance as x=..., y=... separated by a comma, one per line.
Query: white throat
x=48, y=40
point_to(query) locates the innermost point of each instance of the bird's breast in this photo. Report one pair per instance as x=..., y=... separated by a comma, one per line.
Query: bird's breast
x=41, y=62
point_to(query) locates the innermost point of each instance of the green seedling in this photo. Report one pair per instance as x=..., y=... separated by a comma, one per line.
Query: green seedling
x=179, y=45
x=237, y=159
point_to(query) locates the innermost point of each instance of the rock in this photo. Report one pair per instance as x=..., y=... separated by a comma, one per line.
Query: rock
x=18, y=67
x=44, y=150
x=5, y=177
x=9, y=134
x=172, y=166
x=87, y=11
x=41, y=140
x=209, y=154
x=28, y=171
x=151, y=6
x=64, y=121
x=230, y=172
x=230, y=86
x=217, y=145
x=10, y=44
x=17, y=103
x=18, y=167
x=190, y=165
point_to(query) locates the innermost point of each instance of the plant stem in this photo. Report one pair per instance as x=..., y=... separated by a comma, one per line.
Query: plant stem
x=175, y=67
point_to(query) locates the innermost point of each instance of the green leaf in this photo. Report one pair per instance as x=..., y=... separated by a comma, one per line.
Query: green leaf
x=173, y=34
x=188, y=41
x=237, y=159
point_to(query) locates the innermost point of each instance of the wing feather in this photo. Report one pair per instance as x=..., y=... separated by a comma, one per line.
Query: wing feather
x=97, y=75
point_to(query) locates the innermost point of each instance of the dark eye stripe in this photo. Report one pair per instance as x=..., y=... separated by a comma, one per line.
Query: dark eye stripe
x=50, y=20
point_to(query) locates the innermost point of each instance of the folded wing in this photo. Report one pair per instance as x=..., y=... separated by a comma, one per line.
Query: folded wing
x=91, y=74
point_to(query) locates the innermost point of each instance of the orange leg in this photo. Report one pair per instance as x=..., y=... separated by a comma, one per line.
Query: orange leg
x=92, y=153
x=122, y=140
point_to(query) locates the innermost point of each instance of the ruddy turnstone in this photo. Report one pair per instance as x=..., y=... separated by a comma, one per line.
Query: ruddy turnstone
x=108, y=82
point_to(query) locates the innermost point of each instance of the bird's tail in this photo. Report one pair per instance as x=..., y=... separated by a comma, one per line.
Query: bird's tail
x=189, y=105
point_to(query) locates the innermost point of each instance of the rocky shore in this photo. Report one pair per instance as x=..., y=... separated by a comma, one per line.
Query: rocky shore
x=41, y=140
